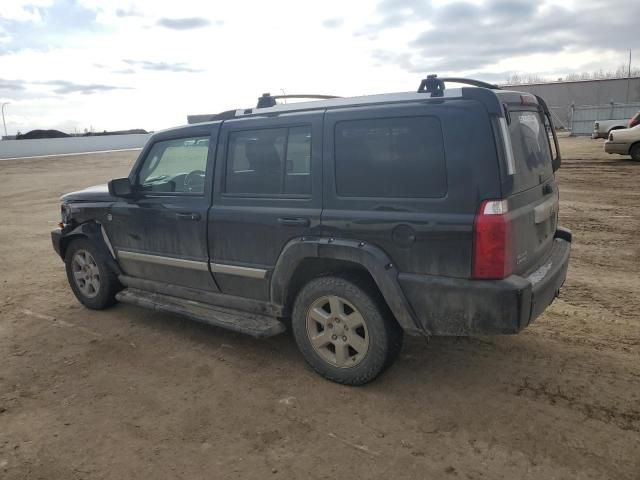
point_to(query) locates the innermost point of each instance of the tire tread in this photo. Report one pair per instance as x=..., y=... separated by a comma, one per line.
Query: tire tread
x=388, y=335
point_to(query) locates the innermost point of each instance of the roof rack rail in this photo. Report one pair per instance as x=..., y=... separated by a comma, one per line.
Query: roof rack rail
x=436, y=86
x=267, y=100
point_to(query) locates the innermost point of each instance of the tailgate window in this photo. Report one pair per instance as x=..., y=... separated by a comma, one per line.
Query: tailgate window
x=531, y=150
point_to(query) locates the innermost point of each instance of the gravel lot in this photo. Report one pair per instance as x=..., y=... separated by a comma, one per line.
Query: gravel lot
x=126, y=393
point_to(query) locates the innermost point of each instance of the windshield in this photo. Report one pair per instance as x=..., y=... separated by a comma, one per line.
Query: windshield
x=531, y=151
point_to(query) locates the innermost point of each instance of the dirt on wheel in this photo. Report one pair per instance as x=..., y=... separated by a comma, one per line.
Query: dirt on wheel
x=130, y=393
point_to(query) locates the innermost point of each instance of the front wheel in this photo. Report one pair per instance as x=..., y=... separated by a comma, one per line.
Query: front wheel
x=344, y=330
x=94, y=284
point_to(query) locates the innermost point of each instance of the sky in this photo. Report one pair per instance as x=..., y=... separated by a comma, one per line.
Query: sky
x=118, y=64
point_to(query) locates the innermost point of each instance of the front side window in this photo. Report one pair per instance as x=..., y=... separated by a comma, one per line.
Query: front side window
x=271, y=161
x=175, y=166
x=390, y=157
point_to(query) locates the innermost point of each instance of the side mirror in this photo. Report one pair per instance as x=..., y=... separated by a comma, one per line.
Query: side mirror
x=120, y=187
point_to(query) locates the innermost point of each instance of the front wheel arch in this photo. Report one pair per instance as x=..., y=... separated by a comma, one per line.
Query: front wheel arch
x=92, y=231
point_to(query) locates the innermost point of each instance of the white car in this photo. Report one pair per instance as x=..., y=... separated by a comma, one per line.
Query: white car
x=602, y=128
x=624, y=142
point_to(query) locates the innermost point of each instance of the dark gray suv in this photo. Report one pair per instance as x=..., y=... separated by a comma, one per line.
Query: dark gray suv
x=353, y=220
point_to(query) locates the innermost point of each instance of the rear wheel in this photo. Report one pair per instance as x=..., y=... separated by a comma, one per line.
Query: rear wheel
x=344, y=331
x=635, y=152
x=94, y=284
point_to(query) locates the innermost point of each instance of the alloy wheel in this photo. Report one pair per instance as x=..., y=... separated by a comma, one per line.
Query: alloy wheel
x=337, y=331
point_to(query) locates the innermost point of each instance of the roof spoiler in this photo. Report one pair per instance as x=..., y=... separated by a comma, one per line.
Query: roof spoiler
x=436, y=86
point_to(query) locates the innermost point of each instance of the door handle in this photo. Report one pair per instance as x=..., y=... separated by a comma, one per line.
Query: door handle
x=294, y=221
x=188, y=216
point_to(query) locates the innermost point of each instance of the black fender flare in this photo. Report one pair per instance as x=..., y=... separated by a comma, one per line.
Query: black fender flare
x=370, y=257
x=96, y=234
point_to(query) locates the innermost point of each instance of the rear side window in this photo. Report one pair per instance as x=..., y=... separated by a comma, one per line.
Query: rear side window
x=531, y=150
x=271, y=161
x=390, y=157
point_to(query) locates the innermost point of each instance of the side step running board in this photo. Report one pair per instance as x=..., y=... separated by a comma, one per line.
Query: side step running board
x=258, y=326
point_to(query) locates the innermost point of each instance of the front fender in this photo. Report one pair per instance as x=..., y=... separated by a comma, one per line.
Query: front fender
x=372, y=258
x=96, y=234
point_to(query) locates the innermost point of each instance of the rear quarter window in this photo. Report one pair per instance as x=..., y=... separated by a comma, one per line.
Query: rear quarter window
x=531, y=149
x=390, y=157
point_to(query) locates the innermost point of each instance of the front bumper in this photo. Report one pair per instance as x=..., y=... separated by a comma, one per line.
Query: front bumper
x=451, y=306
x=56, y=240
x=616, y=147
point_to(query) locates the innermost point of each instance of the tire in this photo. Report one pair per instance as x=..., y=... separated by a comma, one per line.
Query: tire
x=355, y=335
x=635, y=152
x=94, y=285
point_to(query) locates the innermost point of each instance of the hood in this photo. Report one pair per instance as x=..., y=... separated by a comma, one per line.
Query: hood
x=97, y=193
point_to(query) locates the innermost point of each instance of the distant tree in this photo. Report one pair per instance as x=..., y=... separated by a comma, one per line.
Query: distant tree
x=621, y=72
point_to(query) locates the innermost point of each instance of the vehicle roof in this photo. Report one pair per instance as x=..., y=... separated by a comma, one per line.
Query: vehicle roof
x=356, y=101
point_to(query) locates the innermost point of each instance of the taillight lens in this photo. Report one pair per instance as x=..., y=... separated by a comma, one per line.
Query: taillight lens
x=611, y=137
x=492, y=247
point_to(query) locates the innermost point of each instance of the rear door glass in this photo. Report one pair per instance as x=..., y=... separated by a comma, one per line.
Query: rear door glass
x=390, y=157
x=531, y=150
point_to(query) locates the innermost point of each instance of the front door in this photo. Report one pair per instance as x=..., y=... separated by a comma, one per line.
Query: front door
x=268, y=190
x=161, y=234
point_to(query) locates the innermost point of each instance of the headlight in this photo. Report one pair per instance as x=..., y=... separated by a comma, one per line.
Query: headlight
x=65, y=213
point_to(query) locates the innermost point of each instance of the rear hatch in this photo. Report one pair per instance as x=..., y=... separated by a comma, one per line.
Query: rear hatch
x=529, y=184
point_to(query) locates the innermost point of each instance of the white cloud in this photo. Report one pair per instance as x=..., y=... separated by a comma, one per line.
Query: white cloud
x=24, y=10
x=238, y=51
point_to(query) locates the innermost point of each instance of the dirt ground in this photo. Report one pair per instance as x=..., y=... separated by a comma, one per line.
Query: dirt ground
x=127, y=393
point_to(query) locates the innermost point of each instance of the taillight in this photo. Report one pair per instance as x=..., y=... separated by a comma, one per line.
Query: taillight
x=611, y=137
x=492, y=246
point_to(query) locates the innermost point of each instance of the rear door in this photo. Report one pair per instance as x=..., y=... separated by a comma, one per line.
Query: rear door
x=532, y=190
x=268, y=190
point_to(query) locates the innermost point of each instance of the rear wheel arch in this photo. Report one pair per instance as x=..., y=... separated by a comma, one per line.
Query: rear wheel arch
x=310, y=268
x=304, y=259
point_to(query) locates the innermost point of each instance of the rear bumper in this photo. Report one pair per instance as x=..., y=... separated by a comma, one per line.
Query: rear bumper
x=449, y=306
x=619, y=148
